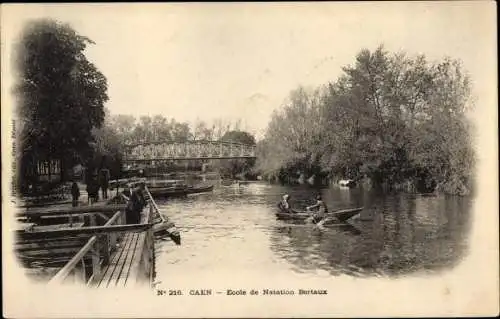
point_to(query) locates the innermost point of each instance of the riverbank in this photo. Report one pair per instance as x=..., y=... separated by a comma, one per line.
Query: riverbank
x=409, y=186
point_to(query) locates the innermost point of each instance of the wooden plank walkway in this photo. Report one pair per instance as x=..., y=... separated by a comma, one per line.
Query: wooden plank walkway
x=97, y=260
x=122, y=262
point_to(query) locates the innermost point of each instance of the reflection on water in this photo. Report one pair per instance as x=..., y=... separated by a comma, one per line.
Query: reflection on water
x=235, y=228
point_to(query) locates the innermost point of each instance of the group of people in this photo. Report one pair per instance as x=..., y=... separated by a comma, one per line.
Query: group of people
x=94, y=184
x=318, y=210
x=135, y=200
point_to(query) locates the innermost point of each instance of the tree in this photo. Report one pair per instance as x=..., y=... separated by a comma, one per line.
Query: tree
x=180, y=131
x=201, y=131
x=396, y=116
x=397, y=120
x=234, y=167
x=61, y=94
x=109, y=148
x=292, y=140
x=123, y=125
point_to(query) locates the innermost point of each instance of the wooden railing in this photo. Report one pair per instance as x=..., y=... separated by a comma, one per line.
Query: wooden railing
x=143, y=268
x=102, y=245
x=155, y=211
x=97, y=246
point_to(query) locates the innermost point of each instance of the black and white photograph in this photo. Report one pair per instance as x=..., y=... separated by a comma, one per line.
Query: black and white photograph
x=301, y=159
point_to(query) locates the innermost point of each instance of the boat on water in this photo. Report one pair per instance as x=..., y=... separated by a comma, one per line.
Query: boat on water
x=227, y=182
x=167, y=187
x=200, y=189
x=340, y=216
x=163, y=227
x=168, y=191
x=349, y=183
x=179, y=191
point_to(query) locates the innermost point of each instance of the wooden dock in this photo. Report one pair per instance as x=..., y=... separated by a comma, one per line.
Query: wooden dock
x=91, y=245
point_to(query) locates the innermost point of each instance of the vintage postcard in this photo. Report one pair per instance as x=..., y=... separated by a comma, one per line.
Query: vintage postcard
x=302, y=159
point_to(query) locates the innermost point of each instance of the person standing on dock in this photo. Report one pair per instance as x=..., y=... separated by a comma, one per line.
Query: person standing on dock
x=75, y=194
x=104, y=182
x=135, y=205
x=92, y=190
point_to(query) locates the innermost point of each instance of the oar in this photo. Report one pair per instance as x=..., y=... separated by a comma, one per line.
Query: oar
x=310, y=218
x=322, y=222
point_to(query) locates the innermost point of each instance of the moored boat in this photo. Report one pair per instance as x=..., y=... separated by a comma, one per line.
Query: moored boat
x=165, y=228
x=200, y=189
x=227, y=182
x=168, y=191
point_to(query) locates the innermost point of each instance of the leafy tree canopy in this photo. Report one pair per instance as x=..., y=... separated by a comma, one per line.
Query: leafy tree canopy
x=61, y=93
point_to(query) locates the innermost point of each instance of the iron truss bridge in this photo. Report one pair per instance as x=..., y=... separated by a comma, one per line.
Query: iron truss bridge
x=192, y=150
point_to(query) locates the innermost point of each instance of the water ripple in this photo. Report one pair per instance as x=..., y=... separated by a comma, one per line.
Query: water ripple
x=236, y=227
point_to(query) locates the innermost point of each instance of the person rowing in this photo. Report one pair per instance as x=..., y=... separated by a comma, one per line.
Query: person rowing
x=284, y=204
x=321, y=212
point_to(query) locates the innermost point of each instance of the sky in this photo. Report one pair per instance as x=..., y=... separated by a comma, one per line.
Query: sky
x=240, y=60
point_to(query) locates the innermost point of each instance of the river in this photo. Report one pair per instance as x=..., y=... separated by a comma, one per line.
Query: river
x=234, y=228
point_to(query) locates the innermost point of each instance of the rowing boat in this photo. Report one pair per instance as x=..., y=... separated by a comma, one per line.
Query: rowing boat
x=200, y=189
x=163, y=227
x=337, y=216
x=177, y=191
x=168, y=191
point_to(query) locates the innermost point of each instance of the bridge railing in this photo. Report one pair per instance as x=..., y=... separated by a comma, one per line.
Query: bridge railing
x=189, y=150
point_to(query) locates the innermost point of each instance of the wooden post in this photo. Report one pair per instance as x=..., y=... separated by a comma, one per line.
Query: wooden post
x=96, y=264
x=92, y=220
x=112, y=236
x=83, y=274
x=95, y=251
x=104, y=242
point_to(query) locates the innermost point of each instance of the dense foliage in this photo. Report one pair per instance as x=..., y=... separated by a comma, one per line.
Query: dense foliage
x=158, y=128
x=398, y=121
x=234, y=167
x=61, y=95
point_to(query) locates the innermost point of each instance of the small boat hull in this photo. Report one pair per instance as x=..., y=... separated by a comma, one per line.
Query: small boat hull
x=334, y=217
x=345, y=214
x=166, y=228
x=168, y=192
x=179, y=191
x=202, y=189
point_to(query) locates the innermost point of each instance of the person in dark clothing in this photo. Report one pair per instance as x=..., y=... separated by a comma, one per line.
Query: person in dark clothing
x=127, y=192
x=75, y=194
x=90, y=191
x=135, y=205
x=93, y=191
x=104, y=182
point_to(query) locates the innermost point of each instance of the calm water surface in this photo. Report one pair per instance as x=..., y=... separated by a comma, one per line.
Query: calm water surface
x=235, y=228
